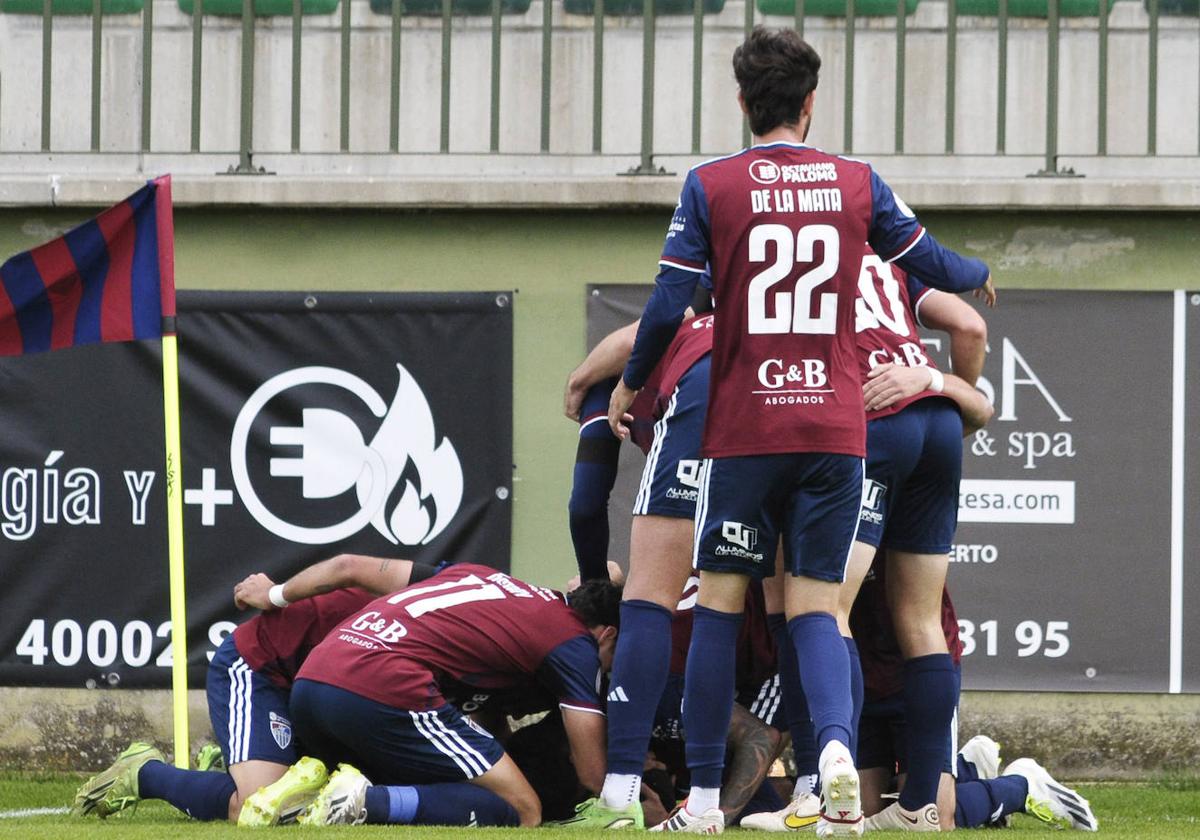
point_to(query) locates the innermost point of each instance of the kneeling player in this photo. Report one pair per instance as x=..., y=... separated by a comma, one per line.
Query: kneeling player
x=378, y=692
x=249, y=680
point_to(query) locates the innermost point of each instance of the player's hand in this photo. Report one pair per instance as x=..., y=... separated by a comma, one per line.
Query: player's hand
x=987, y=292
x=573, y=398
x=890, y=383
x=619, y=417
x=252, y=593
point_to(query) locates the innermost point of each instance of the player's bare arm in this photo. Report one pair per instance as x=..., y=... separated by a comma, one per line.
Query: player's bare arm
x=987, y=292
x=379, y=575
x=966, y=327
x=586, y=735
x=606, y=360
x=889, y=383
x=619, y=417
x=753, y=745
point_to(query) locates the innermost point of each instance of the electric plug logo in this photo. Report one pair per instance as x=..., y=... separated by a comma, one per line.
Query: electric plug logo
x=334, y=458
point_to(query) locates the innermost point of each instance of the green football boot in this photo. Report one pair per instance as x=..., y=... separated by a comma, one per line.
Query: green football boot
x=210, y=759
x=592, y=813
x=283, y=801
x=116, y=788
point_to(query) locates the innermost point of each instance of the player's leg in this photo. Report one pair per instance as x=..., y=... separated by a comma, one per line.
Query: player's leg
x=880, y=750
x=397, y=749
x=821, y=520
x=736, y=536
x=660, y=562
x=920, y=529
x=595, y=473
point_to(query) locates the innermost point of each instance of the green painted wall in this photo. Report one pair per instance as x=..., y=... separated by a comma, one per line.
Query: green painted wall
x=549, y=257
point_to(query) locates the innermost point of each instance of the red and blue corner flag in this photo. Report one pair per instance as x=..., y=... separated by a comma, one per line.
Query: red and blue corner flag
x=110, y=279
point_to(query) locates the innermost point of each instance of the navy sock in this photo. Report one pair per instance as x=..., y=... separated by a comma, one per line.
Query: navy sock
x=965, y=771
x=930, y=697
x=639, y=675
x=202, y=795
x=764, y=800
x=449, y=803
x=708, y=691
x=804, y=744
x=595, y=473
x=985, y=801
x=825, y=675
x=856, y=693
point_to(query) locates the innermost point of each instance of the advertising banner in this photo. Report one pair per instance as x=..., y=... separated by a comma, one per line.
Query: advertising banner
x=312, y=425
x=1061, y=572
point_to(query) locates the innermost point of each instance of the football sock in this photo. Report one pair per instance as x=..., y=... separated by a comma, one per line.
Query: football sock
x=621, y=790
x=596, y=460
x=983, y=802
x=202, y=795
x=708, y=691
x=965, y=771
x=700, y=799
x=856, y=694
x=824, y=674
x=449, y=803
x=930, y=697
x=639, y=675
x=804, y=745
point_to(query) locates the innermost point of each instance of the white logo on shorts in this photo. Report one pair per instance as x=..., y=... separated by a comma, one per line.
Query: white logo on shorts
x=740, y=535
x=281, y=730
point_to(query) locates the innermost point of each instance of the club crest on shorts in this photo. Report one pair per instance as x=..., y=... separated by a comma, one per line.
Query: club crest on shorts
x=281, y=730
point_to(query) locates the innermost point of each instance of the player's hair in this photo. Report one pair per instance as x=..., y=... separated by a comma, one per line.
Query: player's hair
x=776, y=70
x=597, y=602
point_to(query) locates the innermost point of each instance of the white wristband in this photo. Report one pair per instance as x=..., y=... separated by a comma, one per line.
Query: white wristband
x=275, y=596
x=937, y=382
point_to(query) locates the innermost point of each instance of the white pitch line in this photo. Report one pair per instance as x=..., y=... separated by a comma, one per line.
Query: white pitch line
x=31, y=812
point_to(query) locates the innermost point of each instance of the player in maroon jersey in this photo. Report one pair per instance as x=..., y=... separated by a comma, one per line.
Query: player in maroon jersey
x=249, y=680
x=375, y=693
x=782, y=228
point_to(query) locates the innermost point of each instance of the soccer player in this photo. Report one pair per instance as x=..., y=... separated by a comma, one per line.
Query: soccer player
x=916, y=417
x=249, y=680
x=976, y=794
x=377, y=693
x=660, y=552
x=782, y=228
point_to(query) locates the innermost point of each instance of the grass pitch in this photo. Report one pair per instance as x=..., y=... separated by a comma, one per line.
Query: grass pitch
x=1165, y=809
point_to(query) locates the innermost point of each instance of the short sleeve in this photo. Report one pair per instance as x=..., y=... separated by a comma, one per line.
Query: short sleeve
x=572, y=673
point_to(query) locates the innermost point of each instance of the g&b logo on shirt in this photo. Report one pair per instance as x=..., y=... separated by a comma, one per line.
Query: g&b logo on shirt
x=372, y=624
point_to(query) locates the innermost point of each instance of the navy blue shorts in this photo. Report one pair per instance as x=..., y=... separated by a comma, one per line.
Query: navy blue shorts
x=914, y=464
x=813, y=499
x=883, y=737
x=671, y=478
x=249, y=713
x=391, y=746
x=766, y=703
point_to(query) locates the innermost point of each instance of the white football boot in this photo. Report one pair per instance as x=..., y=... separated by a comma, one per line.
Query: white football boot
x=1050, y=801
x=895, y=818
x=841, y=805
x=984, y=753
x=801, y=814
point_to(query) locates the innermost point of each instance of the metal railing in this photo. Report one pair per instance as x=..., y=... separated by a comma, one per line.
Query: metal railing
x=646, y=106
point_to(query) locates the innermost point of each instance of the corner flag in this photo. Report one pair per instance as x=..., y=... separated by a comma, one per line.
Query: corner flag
x=113, y=279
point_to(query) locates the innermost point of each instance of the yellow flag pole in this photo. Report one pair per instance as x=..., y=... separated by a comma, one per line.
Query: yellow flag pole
x=179, y=687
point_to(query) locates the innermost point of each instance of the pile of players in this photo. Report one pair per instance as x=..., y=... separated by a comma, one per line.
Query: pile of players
x=803, y=457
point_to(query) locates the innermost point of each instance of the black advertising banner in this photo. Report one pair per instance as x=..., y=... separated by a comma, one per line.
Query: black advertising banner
x=1062, y=569
x=312, y=425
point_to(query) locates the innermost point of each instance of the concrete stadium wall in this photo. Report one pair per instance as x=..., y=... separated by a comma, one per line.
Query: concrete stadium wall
x=571, y=99
x=549, y=257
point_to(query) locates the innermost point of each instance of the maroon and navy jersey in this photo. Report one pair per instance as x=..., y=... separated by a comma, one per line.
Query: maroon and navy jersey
x=887, y=325
x=878, y=649
x=276, y=643
x=468, y=628
x=782, y=229
x=693, y=342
